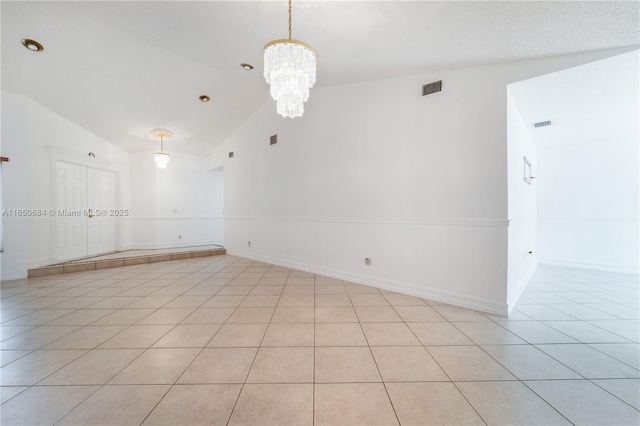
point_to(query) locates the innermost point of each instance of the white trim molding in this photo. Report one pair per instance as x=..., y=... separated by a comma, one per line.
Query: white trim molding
x=135, y=218
x=493, y=223
x=590, y=219
x=435, y=295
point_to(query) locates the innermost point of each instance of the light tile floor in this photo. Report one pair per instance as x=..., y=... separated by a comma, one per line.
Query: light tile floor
x=225, y=340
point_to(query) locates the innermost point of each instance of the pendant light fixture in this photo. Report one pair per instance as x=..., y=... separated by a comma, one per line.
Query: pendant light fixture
x=161, y=158
x=290, y=68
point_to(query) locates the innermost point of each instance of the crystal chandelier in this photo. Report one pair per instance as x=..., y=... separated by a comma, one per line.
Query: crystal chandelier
x=161, y=158
x=290, y=68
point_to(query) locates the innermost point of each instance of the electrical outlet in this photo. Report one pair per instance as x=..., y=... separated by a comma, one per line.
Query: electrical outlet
x=526, y=255
x=367, y=261
x=249, y=244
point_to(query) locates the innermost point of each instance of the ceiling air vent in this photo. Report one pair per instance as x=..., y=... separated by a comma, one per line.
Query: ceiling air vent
x=430, y=88
x=542, y=124
x=273, y=140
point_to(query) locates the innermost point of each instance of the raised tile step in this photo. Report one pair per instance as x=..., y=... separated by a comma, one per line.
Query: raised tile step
x=90, y=265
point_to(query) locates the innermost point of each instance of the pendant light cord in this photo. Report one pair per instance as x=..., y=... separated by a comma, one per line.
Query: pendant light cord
x=289, y=19
x=161, y=144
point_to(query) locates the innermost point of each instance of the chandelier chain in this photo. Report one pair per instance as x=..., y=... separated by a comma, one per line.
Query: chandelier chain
x=289, y=18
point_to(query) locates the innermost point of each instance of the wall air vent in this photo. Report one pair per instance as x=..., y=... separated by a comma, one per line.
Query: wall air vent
x=273, y=140
x=542, y=124
x=430, y=88
x=231, y=154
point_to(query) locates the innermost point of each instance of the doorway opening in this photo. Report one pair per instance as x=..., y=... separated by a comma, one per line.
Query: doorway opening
x=579, y=129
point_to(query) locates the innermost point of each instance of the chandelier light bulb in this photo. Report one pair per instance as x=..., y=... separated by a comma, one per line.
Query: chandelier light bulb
x=161, y=158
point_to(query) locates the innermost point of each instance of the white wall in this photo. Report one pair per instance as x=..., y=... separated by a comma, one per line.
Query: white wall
x=419, y=184
x=141, y=223
x=32, y=136
x=177, y=206
x=588, y=165
x=588, y=204
x=522, y=201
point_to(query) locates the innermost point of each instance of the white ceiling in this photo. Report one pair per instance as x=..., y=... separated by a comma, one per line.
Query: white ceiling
x=592, y=102
x=120, y=69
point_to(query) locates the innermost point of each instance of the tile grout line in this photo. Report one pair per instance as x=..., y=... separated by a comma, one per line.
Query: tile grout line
x=255, y=355
x=100, y=386
x=118, y=372
x=436, y=361
x=593, y=381
x=313, y=377
x=395, y=413
x=191, y=269
x=197, y=355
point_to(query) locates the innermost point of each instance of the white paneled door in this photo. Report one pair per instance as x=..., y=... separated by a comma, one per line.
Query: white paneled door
x=71, y=199
x=101, y=200
x=84, y=198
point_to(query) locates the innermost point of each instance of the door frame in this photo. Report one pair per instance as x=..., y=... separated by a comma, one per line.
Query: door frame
x=56, y=155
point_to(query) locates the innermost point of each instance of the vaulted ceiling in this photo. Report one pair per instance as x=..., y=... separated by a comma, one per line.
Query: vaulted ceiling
x=122, y=68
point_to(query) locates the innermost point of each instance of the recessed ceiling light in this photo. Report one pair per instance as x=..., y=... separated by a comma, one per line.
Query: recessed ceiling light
x=204, y=98
x=32, y=45
x=246, y=67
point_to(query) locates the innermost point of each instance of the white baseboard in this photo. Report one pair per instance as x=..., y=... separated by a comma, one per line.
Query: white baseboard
x=13, y=275
x=593, y=266
x=435, y=295
x=522, y=285
x=20, y=269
